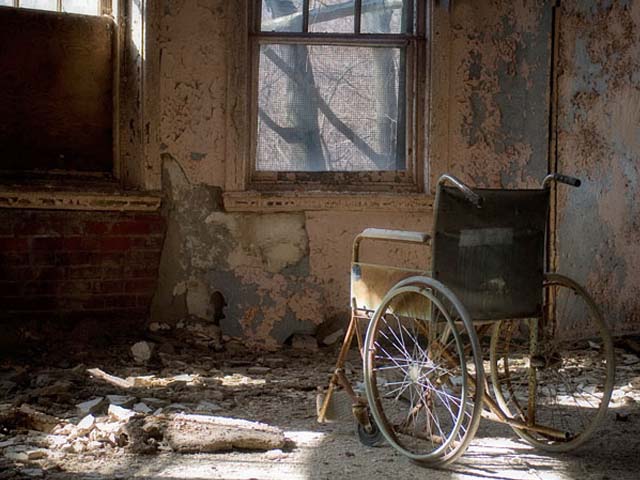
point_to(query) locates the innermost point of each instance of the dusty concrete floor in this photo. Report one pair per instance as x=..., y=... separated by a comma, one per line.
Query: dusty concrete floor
x=281, y=392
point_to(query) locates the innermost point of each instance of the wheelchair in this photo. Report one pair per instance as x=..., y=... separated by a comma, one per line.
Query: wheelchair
x=421, y=334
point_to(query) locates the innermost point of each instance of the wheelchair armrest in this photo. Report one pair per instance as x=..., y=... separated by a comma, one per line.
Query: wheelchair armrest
x=395, y=235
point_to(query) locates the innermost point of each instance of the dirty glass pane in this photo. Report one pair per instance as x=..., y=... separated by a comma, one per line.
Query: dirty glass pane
x=40, y=4
x=331, y=16
x=87, y=7
x=391, y=16
x=330, y=108
x=281, y=16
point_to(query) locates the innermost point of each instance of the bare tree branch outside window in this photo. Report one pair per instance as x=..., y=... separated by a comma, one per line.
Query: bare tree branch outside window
x=334, y=106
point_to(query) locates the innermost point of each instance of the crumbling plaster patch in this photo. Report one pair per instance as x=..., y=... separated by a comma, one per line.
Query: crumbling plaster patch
x=259, y=263
x=194, y=42
x=500, y=55
x=599, y=141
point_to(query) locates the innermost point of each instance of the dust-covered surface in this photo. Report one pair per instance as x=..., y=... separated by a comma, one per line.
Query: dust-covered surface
x=598, y=132
x=60, y=422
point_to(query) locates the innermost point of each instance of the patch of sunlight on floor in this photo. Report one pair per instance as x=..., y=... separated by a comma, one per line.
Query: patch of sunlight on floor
x=507, y=459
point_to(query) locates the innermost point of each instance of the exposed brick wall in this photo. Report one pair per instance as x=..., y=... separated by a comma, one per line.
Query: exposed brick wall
x=76, y=275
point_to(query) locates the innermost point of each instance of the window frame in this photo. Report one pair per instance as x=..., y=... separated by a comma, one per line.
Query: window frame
x=103, y=8
x=408, y=180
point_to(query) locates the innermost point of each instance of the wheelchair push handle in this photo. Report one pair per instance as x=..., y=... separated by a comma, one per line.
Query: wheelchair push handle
x=558, y=177
x=469, y=194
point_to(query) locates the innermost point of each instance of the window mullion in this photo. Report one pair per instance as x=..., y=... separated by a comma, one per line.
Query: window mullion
x=305, y=16
x=357, y=16
x=59, y=6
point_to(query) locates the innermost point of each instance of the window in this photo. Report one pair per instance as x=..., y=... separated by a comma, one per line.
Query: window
x=87, y=7
x=336, y=99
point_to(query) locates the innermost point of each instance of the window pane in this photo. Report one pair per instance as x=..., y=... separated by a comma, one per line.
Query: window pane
x=6, y=3
x=88, y=7
x=330, y=108
x=393, y=16
x=281, y=16
x=331, y=16
x=40, y=4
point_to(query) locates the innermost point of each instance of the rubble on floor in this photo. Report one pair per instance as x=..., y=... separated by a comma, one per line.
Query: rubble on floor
x=101, y=405
x=191, y=400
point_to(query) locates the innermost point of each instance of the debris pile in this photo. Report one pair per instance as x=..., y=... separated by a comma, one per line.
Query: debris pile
x=150, y=399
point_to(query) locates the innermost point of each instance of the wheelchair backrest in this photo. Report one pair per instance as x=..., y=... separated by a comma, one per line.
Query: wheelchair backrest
x=492, y=257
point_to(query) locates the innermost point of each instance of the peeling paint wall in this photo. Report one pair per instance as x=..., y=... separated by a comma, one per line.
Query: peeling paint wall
x=286, y=273
x=599, y=142
x=499, y=93
x=279, y=274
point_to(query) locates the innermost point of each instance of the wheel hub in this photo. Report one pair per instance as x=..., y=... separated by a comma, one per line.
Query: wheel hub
x=415, y=372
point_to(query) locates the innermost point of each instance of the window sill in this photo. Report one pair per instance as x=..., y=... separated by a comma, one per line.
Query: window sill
x=28, y=197
x=252, y=201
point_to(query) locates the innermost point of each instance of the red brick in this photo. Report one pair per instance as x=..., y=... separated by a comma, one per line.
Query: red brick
x=141, y=285
x=16, y=272
x=13, y=258
x=14, y=244
x=6, y=227
x=112, y=272
x=97, y=227
x=74, y=258
x=108, y=286
x=151, y=242
x=96, y=302
x=132, y=227
x=40, y=288
x=109, y=244
x=39, y=225
x=49, y=273
x=119, y=301
x=138, y=271
x=143, y=257
x=108, y=259
x=8, y=289
x=47, y=243
x=144, y=300
x=75, y=287
x=84, y=272
x=43, y=257
x=155, y=222
x=73, y=302
x=29, y=303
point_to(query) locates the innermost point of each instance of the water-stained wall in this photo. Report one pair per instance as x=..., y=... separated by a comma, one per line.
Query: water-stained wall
x=498, y=98
x=599, y=141
x=279, y=273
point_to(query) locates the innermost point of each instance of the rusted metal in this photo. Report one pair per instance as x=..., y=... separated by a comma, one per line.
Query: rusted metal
x=524, y=214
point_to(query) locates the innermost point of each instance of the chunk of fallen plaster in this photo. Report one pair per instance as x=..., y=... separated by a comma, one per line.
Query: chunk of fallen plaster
x=86, y=425
x=142, y=351
x=187, y=433
x=120, y=414
x=141, y=407
x=91, y=406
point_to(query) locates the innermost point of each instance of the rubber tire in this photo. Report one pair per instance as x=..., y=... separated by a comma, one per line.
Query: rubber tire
x=609, y=356
x=431, y=289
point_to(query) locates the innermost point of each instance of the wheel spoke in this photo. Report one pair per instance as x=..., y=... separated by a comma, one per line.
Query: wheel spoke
x=415, y=374
x=563, y=402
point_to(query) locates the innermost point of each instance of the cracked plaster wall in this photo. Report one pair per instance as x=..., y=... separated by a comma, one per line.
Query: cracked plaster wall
x=498, y=102
x=285, y=273
x=599, y=141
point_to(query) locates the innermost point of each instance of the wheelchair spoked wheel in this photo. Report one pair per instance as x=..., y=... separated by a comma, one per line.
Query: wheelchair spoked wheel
x=550, y=380
x=422, y=363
